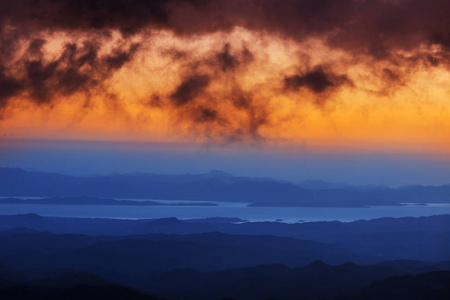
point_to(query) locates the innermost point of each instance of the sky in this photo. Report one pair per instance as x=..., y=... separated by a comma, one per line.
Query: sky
x=340, y=90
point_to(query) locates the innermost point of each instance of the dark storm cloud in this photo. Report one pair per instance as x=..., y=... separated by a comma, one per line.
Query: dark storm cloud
x=76, y=69
x=371, y=27
x=63, y=75
x=215, y=111
x=240, y=100
x=205, y=115
x=37, y=80
x=190, y=88
x=316, y=80
x=391, y=81
x=226, y=60
x=35, y=47
x=374, y=26
x=126, y=15
x=257, y=117
x=120, y=57
x=8, y=88
x=257, y=114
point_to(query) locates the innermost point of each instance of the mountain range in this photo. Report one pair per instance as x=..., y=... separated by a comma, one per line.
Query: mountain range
x=214, y=186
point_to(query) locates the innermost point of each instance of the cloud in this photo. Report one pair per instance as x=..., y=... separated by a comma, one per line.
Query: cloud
x=225, y=111
x=375, y=27
x=76, y=69
x=128, y=16
x=317, y=80
x=8, y=88
x=216, y=81
x=257, y=114
x=189, y=89
x=205, y=115
x=119, y=57
x=369, y=27
x=226, y=60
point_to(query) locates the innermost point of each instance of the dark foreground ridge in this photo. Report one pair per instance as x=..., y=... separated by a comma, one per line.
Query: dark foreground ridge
x=79, y=292
x=217, y=258
x=314, y=281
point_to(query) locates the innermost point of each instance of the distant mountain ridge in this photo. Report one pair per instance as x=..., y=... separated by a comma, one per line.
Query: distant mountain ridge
x=96, y=201
x=323, y=185
x=213, y=186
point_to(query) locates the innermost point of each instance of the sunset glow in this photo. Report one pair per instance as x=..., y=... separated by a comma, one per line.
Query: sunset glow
x=249, y=81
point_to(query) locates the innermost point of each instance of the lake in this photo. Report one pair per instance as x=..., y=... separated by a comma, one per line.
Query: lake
x=226, y=209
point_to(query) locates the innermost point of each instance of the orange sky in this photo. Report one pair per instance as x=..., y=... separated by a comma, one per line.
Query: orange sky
x=240, y=85
x=372, y=111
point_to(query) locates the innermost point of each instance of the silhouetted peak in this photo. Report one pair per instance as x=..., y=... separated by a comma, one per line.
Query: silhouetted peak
x=405, y=263
x=318, y=264
x=30, y=217
x=215, y=234
x=218, y=173
x=19, y=230
x=348, y=265
x=322, y=185
x=72, y=280
x=12, y=170
x=217, y=220
x=166, y=221
x=276, y=267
